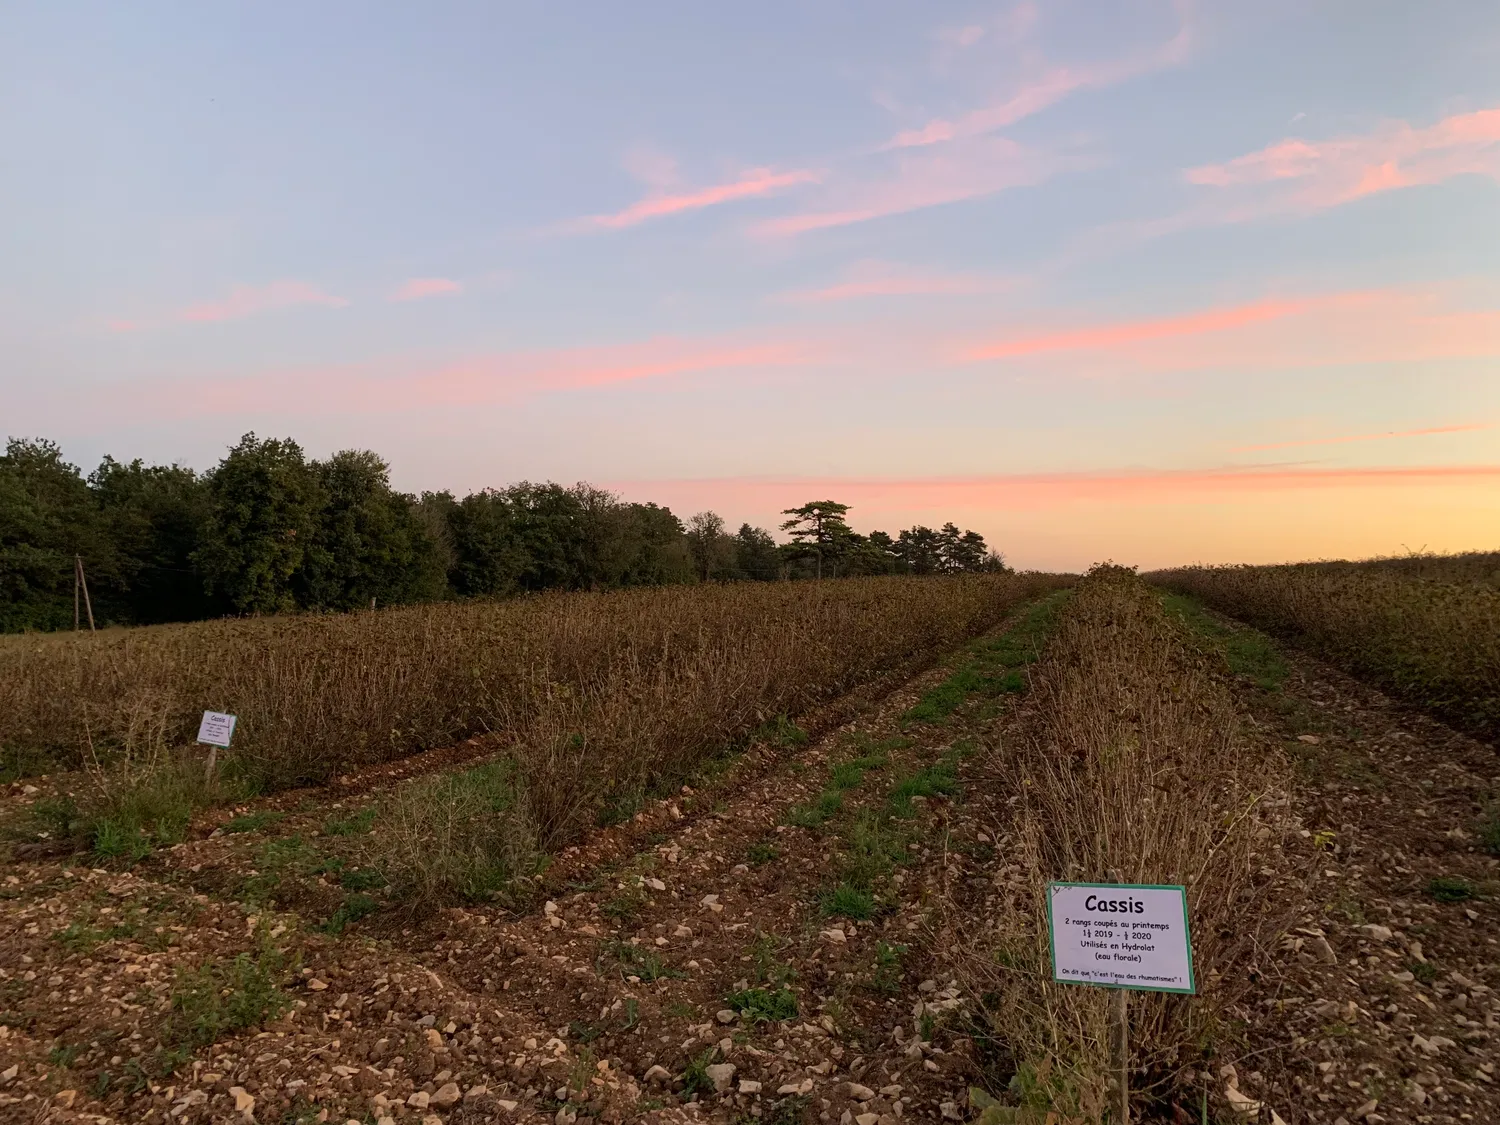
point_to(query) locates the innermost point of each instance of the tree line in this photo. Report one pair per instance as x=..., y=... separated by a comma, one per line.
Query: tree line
x=269, y=530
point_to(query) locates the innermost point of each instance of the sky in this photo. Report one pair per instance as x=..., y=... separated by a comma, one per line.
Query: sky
x=1151, y=281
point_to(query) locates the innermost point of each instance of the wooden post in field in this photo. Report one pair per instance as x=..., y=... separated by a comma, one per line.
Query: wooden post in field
x=1120, y=1034
x=81, y=582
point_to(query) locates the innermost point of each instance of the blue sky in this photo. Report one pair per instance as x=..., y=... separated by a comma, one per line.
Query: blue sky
x=1149, y=281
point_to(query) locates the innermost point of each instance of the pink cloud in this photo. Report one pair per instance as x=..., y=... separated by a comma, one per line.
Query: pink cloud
x=118, y=325
x=1136, y=331
x=482, y=380
x=1302, y=175
x=418, y=287
x=756, y=182
x=920, y=179
x=246, y=300
x=879, y=279
x=1374, y=326
x=1041, y=92
x=1345, y=439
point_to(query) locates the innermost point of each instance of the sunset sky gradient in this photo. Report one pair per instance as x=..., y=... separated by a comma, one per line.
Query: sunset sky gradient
x=1150, y=281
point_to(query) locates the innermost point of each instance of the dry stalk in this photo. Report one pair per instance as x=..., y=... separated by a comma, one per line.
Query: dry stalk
x=1131, y=766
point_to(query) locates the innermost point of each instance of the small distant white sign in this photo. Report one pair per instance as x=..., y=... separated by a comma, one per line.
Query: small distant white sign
x=1120, y=936
x=216, y=729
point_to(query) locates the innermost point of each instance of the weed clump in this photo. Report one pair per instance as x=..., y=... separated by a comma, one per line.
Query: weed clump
x=462, y=836
x=221, y=997
x=763, y=1005
x=1451, y=888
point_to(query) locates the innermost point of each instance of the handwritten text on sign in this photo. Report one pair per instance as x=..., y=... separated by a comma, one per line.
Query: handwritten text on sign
x=216, y=729
x=1121, y=936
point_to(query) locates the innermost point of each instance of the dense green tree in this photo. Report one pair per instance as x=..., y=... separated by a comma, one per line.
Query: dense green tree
x=819, y=532
x=268, y=531
x=714, y=552
x=755, y=554
x=487, y=558
x=652, y=539
x=263, y=516
x=368, y=543
x=920, y=550
x=961, y=552
x=47, y=516
x=155, y=515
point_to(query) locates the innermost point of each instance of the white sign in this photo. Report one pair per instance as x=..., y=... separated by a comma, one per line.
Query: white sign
x=1120, y=936
x=216, y=729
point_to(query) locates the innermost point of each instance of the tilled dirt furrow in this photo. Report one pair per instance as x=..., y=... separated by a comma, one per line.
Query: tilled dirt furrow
x=1382, y=1005
x=609, y=1002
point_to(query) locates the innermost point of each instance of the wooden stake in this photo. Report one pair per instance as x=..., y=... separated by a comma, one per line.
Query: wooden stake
x=1120, y=1011
x=77, y=573
x=88, y=605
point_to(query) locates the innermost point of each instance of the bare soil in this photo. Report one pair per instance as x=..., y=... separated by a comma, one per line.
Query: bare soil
x=609, y=999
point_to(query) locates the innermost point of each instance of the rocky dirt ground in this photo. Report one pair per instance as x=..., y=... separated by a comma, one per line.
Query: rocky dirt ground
x=1383, y=1004
x=768, y=944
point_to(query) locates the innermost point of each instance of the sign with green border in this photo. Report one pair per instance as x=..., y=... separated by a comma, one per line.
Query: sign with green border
x=1120, y=935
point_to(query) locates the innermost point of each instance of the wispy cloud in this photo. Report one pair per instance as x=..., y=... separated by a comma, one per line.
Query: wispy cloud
x=121, y=325
x=481, y=380
x=882, y=279
x=1301, y=175
x=1048, y=88
x=1347, y=438
x=1357, y=326
x=418, y=287
x=929, y=178
x=756, y=182
x=1093, y=337
x=247, y=300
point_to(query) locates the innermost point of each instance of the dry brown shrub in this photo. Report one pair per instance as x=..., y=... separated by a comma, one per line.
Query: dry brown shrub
x=594, y=695
x=1426, y=629
x=1130, y=766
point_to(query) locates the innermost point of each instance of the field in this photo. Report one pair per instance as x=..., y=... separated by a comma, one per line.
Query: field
x=1425, y=628
x=773, y=852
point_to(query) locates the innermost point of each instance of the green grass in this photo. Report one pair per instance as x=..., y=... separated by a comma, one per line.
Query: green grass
x=1248, y=653
x=873, y=846
x=351, y=910
x=640, y=961
x=356, y=824
x=625, y=904
x=848, y=901
x=780, y=731
x=1489, y=828
x=762, y=851
x=695, y=1079
x=849, y=774
x=1451, y=888
x=763, y=1005
x=276, y=860
x=812, y=815
x=937, y=780
x=221, y=997
x=252, y=822
x=765, y=955
x=128, y=811
x=885, y=976
x=993, y=666
x=362, y=879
